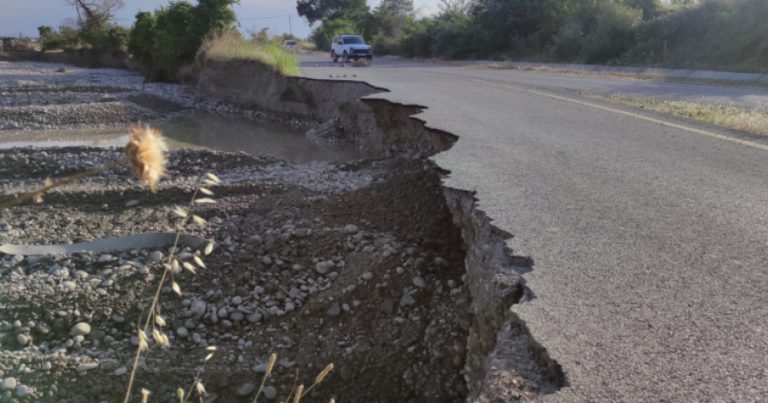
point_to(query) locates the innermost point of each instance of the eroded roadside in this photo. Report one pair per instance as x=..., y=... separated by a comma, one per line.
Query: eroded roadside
x=372, y=265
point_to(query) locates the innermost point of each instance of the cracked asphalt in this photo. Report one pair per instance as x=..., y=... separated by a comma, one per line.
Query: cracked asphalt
x=649, y=240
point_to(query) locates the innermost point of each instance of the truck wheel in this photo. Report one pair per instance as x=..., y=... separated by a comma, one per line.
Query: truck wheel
x=346, y=57
x=334, y=57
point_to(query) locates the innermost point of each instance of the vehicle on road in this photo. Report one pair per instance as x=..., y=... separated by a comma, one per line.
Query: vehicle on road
x=291, y=46
x=350, y=47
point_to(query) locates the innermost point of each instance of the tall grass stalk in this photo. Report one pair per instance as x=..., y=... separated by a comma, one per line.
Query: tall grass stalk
x=37, y=194
x=168, y=270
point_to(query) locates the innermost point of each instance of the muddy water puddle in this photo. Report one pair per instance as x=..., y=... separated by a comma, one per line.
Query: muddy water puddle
x=198, y=130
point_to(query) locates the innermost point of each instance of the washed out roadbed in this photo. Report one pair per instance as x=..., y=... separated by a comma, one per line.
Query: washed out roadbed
x=358, y=265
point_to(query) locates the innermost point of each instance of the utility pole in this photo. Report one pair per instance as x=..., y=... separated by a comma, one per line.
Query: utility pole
x=290, y=26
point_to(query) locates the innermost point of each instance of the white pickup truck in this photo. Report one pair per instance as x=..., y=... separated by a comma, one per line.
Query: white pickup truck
x=350, y=47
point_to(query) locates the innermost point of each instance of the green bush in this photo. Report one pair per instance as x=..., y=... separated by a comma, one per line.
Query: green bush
x=50, y=39
x=96, y=36
x=567, y=44
x=449, y=35
x=728, y=35
x=164, y=41
x=613, y=34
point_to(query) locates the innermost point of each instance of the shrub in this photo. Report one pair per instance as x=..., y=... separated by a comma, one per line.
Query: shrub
x=613, y=34
x=163, y=41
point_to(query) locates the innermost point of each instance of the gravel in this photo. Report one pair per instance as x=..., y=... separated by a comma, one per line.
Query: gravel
x=80, y=329
x=9, y=383
x=310, y=265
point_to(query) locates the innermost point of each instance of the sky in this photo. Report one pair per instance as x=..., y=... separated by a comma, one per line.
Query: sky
x=24, y=16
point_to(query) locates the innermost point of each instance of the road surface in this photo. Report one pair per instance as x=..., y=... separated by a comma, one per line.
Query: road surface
x=649, y=235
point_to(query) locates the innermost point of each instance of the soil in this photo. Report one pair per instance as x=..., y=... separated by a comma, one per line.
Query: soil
x=354, y=264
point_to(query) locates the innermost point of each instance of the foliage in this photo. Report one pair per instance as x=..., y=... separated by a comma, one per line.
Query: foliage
x=718, y=34
x=229, y=46
x=449, y=35
x=323, y=34
x=93, y=31
x=324, y=10
x=613, y=33
x=170, y=37
x=51, y=39
x=723, y=34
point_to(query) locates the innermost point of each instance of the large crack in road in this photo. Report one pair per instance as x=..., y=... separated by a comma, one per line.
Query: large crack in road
x=373, y=265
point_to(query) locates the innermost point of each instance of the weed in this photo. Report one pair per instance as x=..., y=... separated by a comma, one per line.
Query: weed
x=172, y=266
x=232, y=47
x=749, y=120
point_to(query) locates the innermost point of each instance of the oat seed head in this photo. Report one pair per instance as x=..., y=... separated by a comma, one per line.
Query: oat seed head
x=271, y=363
x=160, y=338
x=199, y=261
x=180, y=212
x=324, y=373
x=146, y=152
x=180, y=394
x=144, y=395
x=299, y=392
x=213, y=178
x=189, y=267
x=208, y=248
x=143, y=345
x=175, y=287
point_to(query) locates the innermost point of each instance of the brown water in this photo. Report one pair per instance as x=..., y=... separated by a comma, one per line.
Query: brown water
x=198, y=130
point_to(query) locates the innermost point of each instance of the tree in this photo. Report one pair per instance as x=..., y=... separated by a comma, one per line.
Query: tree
x=650, y=8
x=453, y=6
x=170, y=37
x=95, y=10
x=517, y=25
x=322, y=10
x=400, y=8
x=49, y=38
x=95, y=27
x=323, y=34
x=213, y=16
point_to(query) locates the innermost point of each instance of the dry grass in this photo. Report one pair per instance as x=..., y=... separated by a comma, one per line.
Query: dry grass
x=749, y=120
x=146, y=152
x=154, y=321
x=232, y=47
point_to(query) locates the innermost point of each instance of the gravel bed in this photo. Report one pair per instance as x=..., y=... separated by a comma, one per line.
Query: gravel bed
x=316, y=274
x=353, y=264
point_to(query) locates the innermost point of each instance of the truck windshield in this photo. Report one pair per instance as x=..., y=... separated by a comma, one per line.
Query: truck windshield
x=354, y=40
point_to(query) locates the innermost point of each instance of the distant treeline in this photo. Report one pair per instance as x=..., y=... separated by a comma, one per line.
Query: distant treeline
x=714, y=34
x=161, y=42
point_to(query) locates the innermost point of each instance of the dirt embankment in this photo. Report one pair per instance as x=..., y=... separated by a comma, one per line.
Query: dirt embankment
x=373, y=265
x=337, y=107
x=503, y=361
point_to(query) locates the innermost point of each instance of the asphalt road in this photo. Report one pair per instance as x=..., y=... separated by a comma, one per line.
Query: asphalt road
x=649, y=236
